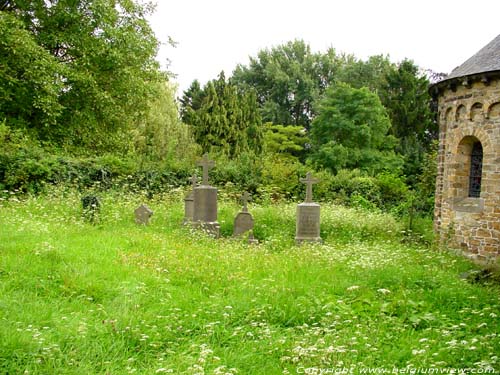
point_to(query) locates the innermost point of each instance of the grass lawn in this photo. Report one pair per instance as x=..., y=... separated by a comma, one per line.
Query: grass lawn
x=117, y=298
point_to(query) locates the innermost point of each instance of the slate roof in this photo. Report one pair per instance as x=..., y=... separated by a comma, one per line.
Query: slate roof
x=486, y=60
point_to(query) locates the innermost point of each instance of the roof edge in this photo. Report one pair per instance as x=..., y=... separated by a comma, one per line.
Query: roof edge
x=466, y=81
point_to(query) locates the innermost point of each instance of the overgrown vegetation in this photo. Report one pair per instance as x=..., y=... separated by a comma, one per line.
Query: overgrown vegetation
x=114, y=297
x=86, y=110
x=84, y=103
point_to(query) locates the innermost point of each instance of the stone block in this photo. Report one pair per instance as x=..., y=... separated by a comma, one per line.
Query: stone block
x=142, y=214
x=308, y=223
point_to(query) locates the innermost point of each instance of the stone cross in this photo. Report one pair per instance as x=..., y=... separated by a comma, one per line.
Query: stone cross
x=206, y=164
x=309, y=181
x=245, y=198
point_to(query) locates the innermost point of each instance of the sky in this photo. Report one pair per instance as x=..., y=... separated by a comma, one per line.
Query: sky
x=216, y=35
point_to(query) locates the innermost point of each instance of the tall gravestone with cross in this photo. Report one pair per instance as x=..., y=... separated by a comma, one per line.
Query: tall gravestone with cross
x=205, y=201
x=243, y=222
x=308, y=215
x=189, y=201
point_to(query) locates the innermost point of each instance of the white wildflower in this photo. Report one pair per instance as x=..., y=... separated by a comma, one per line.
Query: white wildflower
x=383, y=291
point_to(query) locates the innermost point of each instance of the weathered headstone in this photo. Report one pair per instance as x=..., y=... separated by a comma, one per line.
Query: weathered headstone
x=189, y=201
x=205, y=201
x=91, y=206
x=243, y=222
x=308, y=215
x=142, y=214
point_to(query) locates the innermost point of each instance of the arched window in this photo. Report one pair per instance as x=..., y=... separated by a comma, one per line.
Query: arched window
x=476, y=168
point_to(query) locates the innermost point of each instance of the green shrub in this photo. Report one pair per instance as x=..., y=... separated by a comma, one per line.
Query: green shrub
x=393, y=189
x=281, y=178
x=26, y=166
x=348, y=183
x=26, y=171
x=236, y=175
x=356, y=188
x=29, y=170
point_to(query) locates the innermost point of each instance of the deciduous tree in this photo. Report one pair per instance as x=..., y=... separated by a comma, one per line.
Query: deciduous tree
x=30, y=78
x=160, y=136
x=105, y=71
x=350, y=131
x=288, y=79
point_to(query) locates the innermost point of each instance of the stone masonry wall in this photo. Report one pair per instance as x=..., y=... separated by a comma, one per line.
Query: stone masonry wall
x=468, y=114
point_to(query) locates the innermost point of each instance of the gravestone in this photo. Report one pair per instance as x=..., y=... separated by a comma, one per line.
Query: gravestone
x=243, y=222
x=205, y=201
x=308, y=215
x=91, y=206
x=189, y=201
x=142, y=214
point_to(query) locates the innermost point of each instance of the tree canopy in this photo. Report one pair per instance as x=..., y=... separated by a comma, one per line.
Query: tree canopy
x=30, y=78
x=291, y=81
x=350, y=131
x=88, y=68
x=80, y=77
x=223, y=118
x=159, y=134
x=406, y=97
x=288, y=79
x=285, y=140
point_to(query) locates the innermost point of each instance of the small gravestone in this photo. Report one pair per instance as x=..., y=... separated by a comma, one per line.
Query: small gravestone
x=205, y=201
x=91, y=206
x=189, y=202
x=243, y=222
x=142, y=214
x=308, y=215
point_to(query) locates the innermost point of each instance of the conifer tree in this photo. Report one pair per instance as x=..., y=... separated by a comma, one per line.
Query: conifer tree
x=191, y=102
x=223, y=118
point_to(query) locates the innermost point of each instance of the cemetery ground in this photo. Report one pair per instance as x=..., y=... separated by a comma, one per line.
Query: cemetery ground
x=112, y=297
